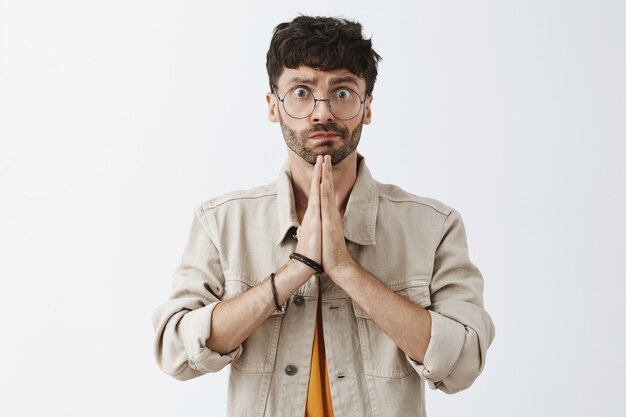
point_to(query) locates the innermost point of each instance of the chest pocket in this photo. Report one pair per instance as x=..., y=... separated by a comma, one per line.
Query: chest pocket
x=381, y=355
x=259, y=349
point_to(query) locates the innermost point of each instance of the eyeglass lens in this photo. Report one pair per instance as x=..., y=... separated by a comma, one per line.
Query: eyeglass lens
x=344, y=103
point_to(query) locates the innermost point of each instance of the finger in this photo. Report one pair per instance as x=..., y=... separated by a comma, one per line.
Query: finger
x=314, y=192
x=328, y=185
x=331, y=182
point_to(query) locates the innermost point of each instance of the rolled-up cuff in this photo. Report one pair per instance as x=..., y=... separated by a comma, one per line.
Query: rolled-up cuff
x=195, y=328
x=446, y=342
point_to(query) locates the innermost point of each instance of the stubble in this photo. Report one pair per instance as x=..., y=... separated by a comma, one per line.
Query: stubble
x=297, y=142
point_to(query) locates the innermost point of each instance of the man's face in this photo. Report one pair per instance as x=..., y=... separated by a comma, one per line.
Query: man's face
x=321, y=132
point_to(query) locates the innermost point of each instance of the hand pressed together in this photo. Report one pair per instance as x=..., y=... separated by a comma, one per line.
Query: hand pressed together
x=321, y=235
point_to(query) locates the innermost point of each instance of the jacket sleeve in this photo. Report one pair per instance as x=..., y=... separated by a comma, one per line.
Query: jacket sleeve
x=183, y=323
x=461, y=329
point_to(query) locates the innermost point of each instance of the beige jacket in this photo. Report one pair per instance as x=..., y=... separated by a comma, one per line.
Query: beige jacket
x=416, y=246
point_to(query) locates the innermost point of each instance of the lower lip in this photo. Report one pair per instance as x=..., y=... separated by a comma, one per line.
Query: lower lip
x=324, y=137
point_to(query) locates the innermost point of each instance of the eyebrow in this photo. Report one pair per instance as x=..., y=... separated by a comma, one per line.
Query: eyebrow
x=344, y=79
x=333, y=81
x=300, y=80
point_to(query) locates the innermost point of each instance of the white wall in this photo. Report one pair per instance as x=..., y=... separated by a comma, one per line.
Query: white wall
x=117, y=118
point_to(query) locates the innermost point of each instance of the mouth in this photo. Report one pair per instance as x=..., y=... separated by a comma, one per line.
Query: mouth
x=324, y=135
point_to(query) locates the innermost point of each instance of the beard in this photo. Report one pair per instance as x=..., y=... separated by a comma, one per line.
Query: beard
x=297, y=141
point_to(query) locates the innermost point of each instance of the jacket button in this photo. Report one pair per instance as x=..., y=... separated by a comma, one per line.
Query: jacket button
x=290, y=370
x=298, y=300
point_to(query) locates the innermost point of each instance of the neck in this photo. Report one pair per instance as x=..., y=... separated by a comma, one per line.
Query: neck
x=344, y=176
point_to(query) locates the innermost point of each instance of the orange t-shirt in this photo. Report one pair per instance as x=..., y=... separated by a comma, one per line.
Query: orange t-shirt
x=319, y=402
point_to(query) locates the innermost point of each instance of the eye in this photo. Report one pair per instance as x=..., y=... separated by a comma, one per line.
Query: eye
x=301, y=92
x=343, y=94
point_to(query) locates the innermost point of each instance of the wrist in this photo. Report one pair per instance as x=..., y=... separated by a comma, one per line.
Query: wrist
x=308, y=262
x=300, y=269
x=343, y=269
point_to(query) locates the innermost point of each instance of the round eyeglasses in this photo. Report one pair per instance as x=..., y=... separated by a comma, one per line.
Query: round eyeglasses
x=299, y=103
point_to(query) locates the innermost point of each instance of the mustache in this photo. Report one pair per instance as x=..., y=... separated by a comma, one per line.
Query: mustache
x=328, y=127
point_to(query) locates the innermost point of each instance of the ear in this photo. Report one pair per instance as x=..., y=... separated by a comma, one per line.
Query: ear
x=367, y=117
x=272, y=104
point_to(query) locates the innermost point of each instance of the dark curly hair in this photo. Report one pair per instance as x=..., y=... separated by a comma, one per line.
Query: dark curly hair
x=324, y=43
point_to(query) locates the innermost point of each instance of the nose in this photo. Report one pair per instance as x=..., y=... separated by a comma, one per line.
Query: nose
x=322, y=113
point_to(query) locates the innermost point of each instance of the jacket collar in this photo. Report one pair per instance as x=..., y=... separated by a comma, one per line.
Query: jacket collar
x=286, y=204
x=359, y=220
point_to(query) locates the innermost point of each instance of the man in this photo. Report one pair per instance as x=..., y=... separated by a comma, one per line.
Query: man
x=327, y=292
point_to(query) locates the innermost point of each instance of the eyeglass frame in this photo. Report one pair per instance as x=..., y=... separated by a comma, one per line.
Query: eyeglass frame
x=315, y=100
